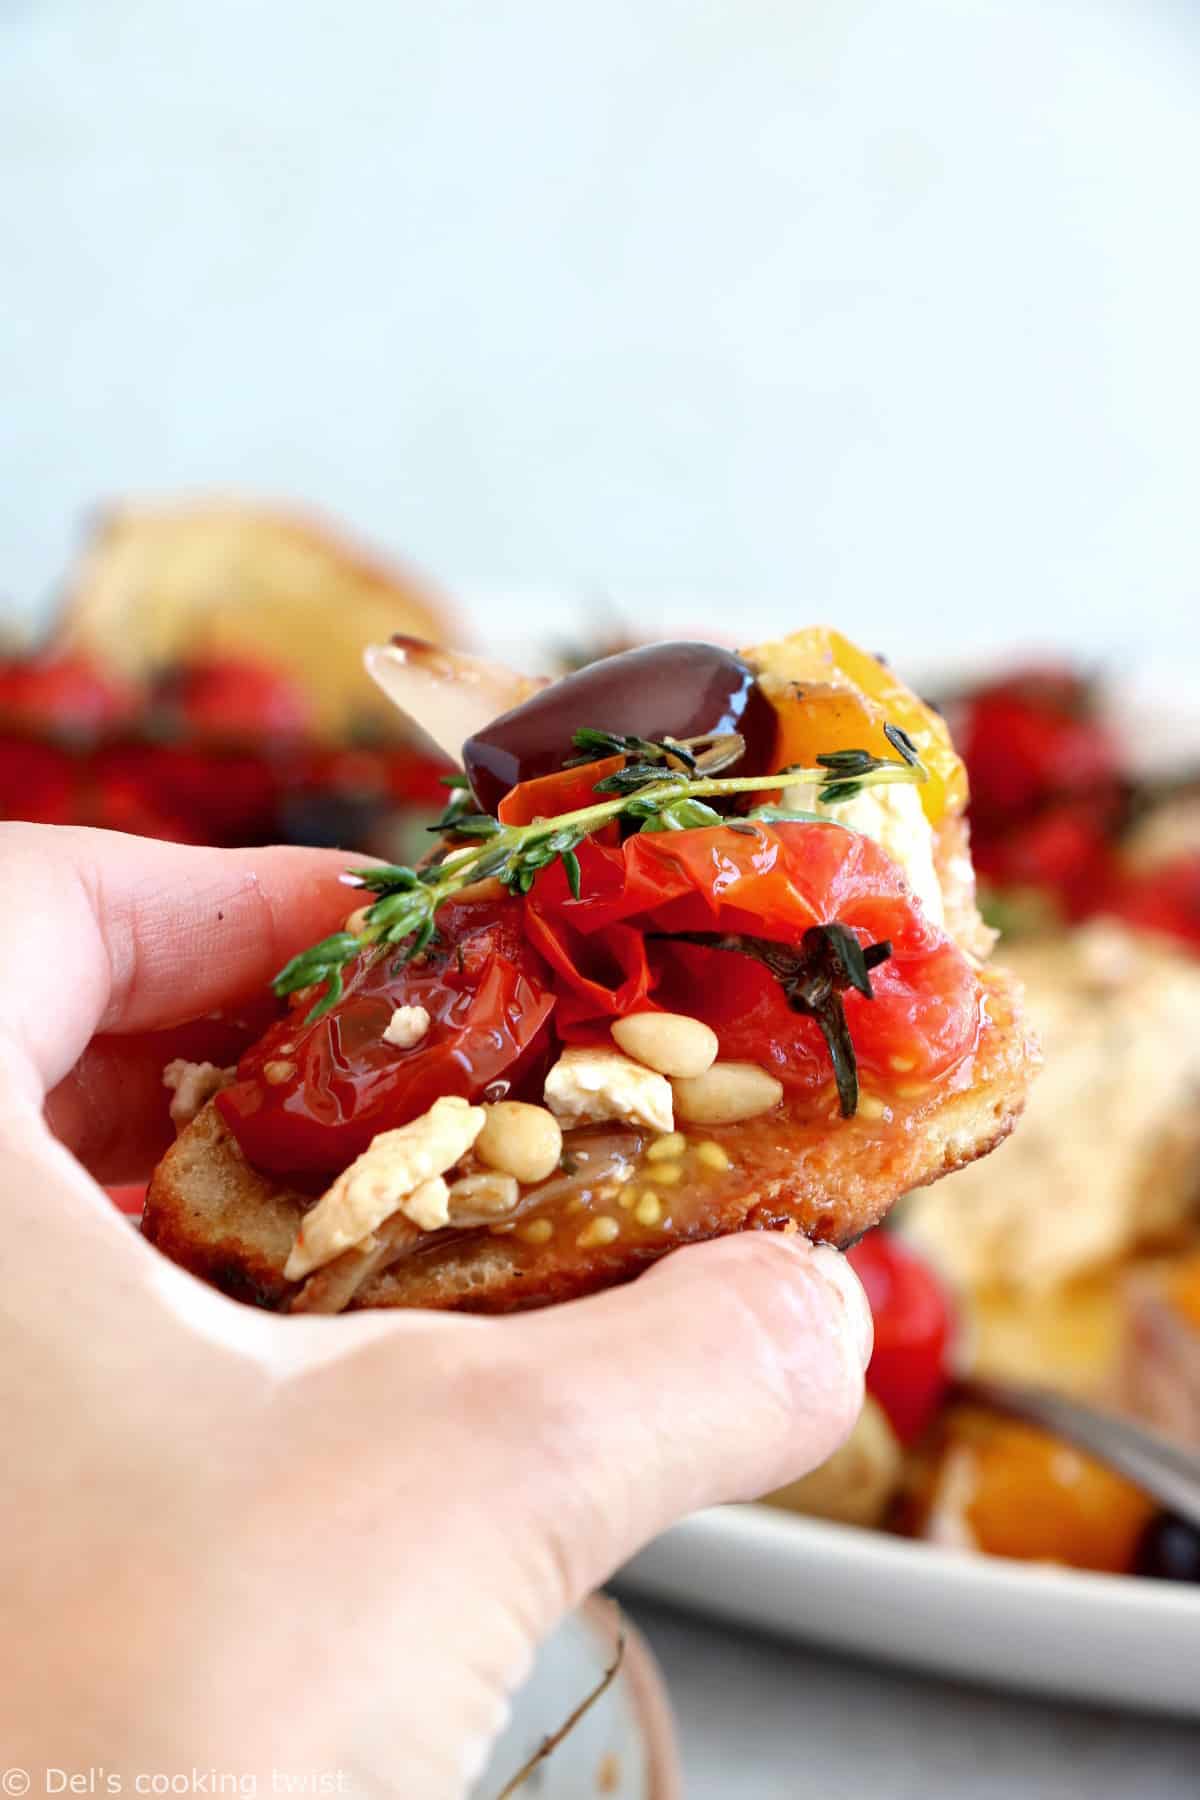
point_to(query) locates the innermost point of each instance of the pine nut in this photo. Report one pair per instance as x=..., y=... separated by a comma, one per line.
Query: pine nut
x=669, y=1042
x=648, y=1210
x=902, y=1064
x=276, y=1073
x=871, y=1106
x=663, y=1149
x=598, y=1231
x=726, y=1094
x=626, y=1198
x=713, y=1156
x=520, y=1140
x=536, y=1231
x=490, y=1193
x=356, y=924
x=664, y=1174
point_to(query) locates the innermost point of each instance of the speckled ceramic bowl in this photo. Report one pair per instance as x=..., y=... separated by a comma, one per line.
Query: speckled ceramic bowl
x=624, y=1746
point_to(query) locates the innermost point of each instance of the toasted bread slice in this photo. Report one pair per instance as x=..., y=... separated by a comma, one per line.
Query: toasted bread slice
x=219, y=577
x=829, y=1177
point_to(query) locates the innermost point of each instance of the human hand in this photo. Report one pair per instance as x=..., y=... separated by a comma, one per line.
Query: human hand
x=242, y=1541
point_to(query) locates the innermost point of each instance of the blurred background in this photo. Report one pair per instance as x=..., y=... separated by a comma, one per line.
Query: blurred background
x=882, y=313
x=543, y=330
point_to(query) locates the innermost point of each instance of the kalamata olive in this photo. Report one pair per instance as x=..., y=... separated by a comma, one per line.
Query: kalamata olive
x=676, y=690
x=1168, y=1550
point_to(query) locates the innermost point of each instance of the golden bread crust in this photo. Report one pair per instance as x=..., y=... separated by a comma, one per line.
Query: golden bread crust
x=832, y=1179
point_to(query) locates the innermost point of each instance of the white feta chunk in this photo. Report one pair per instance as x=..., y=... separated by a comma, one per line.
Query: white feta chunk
x=192, y=1086
x=399, y=1171
x=406, y=1027
x=893, y=816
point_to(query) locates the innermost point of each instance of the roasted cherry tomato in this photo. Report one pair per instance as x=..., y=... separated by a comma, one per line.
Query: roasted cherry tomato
x=549, y=796
x=191, y=793
x=830, y=695
x=226, y=697
x=1064, y=851
x=914, y=1326
x=1022, y=1493
x=61, y=693
x=776, y=881
x=38, y=781
x=1165, y=900
x=1031, y=739
x=311, y=1097
x=129, y=1200
x=414, y=779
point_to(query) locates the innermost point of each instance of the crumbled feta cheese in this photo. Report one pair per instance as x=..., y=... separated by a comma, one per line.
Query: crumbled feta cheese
x=192, y=1086
x=894, y=817
x=428, y=1206
x=406, y=1027
x=395, y=1173
x=589, y=1084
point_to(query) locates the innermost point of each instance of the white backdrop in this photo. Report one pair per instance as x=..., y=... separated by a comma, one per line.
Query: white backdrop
x=882, y=310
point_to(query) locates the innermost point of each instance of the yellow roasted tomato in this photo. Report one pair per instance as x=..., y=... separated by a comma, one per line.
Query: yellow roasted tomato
x=1007, y=1488
x=830, y=695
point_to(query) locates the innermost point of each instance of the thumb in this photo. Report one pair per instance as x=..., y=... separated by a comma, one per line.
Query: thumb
x=726, y=1370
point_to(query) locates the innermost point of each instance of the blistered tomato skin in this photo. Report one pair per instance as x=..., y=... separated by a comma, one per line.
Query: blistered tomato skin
x=914, y=1326
x=678, y=690
x=309, y=1099
x=614, y=951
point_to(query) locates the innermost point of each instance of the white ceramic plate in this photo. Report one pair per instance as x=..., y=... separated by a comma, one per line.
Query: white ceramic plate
x=624, y=1746
x=1110, y=1639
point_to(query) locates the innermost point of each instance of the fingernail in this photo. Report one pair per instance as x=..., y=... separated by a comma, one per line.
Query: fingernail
x=834, y=1269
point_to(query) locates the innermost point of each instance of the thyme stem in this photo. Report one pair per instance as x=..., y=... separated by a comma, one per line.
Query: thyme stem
x=657, y=799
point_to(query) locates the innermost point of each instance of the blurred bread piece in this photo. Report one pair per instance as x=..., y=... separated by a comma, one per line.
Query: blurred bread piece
x=1108, y=1158
x=1161, y=1371
x=1070, y=1338
x=159, y=583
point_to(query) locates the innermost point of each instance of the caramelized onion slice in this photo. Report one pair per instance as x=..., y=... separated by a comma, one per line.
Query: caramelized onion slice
x=594, y=1155
x=332, y=1288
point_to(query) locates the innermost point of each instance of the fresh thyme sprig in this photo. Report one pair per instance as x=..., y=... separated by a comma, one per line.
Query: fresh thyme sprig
x=649, y=792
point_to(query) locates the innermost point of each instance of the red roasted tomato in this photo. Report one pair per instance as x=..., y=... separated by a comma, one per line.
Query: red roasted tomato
x=311, y=1097
x=1033, y=738
x=61, y=693
x=37, y=781
x=773, y=881
x=1065, y=851
x=230, y=696
x=914, y=1326
x=1165, y=900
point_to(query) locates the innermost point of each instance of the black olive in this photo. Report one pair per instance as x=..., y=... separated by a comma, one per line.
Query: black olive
x=664, y=690
x=1168, y=1550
